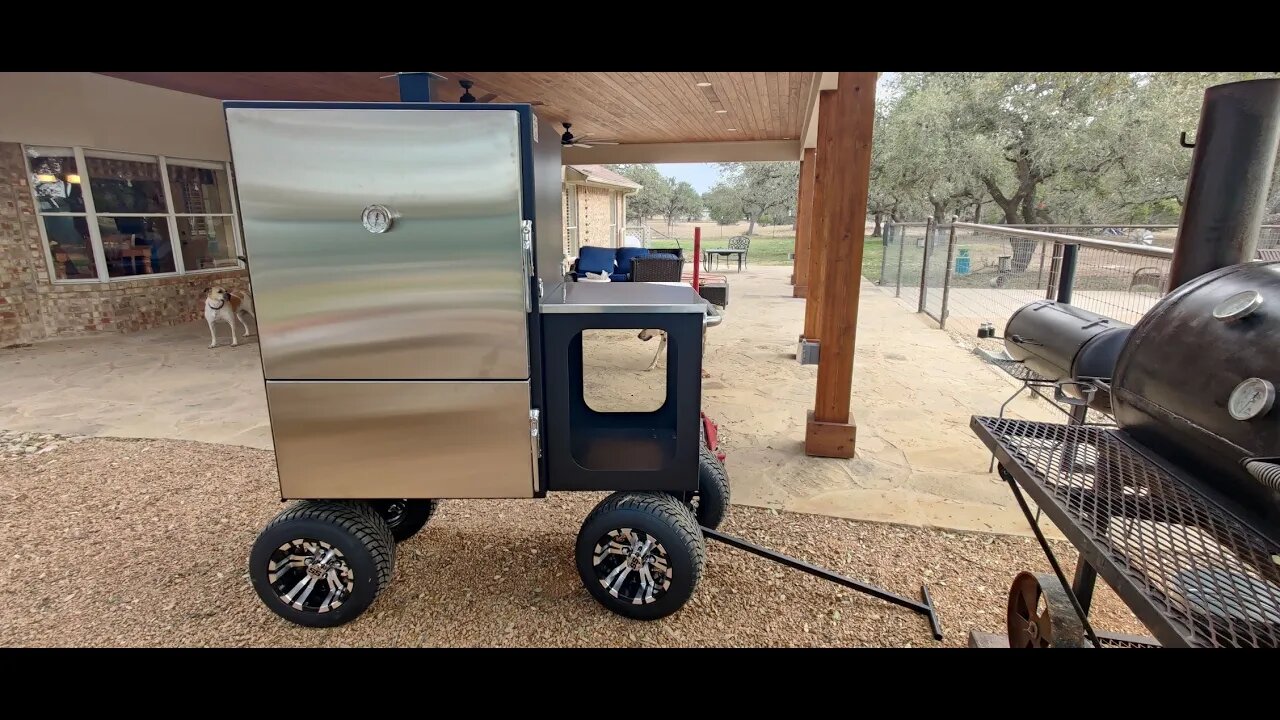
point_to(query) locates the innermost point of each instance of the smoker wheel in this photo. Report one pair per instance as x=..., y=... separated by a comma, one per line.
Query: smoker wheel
x=711, y=502
x=320, y=563
x=405, y=517
x=1041, y=615
x=640, y=554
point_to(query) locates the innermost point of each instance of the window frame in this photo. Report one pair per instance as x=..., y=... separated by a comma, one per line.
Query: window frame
x=91, y=214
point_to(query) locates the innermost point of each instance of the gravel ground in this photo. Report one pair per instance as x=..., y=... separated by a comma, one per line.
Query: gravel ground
x=143, y=543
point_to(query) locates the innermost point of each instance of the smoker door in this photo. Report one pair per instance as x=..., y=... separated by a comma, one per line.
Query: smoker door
x=440, y=295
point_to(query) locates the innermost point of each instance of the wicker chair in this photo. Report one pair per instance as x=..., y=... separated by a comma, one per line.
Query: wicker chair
x=656, y=268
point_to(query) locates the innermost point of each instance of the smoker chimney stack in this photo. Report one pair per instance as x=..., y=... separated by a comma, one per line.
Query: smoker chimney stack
x=1235, y=153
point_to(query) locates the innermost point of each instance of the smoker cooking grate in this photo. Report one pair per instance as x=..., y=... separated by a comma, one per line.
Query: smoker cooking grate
x=1192, y=571
x=1014, y=368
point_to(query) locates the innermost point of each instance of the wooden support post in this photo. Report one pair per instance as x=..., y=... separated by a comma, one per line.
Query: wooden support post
x=818, y=237
x=804, y=225
x=842, y=181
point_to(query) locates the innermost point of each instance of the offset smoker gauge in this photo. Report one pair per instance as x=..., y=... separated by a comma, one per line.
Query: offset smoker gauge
x=1238, y=306
x=1251, y=399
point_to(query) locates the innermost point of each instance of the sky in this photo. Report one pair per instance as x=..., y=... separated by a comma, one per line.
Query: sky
x=700, y=175
x=703, y=175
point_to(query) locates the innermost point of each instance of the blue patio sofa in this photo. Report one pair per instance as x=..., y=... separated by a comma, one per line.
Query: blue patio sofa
x=614, y=261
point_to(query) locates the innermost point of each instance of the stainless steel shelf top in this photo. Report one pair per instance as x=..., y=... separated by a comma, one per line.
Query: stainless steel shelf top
x=622, y=297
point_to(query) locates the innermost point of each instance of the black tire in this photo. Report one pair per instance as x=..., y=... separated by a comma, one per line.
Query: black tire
x=359, y=544
x=404, y=517
x=713, y=490
x=673, y=562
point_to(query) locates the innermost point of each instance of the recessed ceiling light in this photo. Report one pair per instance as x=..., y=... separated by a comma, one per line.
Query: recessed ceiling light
x=733, y=129
x=721, y=112
x=786, y=138
x=704, y=84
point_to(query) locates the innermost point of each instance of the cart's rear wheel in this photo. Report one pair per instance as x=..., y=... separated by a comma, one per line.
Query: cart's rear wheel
x=640, y=554
x=712, y=500
x=1041, y=615
x=405, y=517
x=321, y=563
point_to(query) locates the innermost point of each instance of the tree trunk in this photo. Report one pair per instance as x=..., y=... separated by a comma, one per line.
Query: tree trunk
x=751, y=227
x=977, y=212
x=876, y=231
x=939, y=211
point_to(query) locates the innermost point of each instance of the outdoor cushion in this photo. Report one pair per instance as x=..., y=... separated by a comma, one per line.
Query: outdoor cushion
x=595, y=259
x=627, y=254
x=620, y=277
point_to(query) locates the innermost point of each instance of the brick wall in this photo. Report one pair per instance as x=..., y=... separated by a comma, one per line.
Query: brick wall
x=31, y=308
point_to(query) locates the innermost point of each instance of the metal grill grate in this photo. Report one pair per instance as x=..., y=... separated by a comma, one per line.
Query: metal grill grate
x=1194, y=569
x=1013, y=367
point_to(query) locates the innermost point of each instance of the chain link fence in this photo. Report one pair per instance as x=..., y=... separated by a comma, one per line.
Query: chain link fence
x=966, y=274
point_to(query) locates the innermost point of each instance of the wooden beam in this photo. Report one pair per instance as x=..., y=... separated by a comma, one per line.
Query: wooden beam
x=844, y=152
x=819, y=238
x=804, y=224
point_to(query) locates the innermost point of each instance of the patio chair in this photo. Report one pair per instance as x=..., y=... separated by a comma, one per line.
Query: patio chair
x=656, y=267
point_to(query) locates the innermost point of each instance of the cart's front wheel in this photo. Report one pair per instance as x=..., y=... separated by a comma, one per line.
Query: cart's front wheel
x=640, y=554
x=405, y=517
x=322, y=563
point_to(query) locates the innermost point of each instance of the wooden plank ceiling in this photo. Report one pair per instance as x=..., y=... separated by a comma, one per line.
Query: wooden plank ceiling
x=627, y=107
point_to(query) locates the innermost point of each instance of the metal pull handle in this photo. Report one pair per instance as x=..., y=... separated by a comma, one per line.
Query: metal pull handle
x=1086, y=389
x=526, y=259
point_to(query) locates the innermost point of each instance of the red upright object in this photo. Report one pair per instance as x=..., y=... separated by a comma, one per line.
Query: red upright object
x=697, y=258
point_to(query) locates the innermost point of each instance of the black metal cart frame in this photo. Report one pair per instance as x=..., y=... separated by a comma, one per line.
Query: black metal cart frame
x=1182, y=557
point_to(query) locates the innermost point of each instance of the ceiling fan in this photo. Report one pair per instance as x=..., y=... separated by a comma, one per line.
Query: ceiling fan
x=467, y=97
x=568, y=140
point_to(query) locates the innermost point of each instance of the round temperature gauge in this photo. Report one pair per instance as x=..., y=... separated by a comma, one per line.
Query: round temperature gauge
x=1238, y=306
x=1251, y=399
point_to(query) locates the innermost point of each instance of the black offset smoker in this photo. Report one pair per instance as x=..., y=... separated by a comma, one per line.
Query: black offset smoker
x=1178, y=509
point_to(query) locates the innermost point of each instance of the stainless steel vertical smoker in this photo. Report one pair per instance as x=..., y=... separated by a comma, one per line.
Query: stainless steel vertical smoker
x=419, y=342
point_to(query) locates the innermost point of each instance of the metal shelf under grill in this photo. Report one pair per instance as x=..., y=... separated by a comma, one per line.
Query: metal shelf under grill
x=1193, y=571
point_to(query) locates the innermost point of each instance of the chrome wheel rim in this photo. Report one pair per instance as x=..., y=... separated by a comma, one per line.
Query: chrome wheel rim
x=310, y=575
x=632, y=566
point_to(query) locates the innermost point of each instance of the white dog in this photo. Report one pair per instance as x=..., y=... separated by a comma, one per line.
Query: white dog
x=222, y=304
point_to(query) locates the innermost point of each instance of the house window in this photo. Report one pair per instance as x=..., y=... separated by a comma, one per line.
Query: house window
x=143, y=215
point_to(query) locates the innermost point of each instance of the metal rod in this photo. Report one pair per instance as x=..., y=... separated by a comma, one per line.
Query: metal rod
x=1053, y=560
x=1083, y=582
x=1040, y=272
x=1014, y=231
x=697, y=257
x=886, y=237
x=1067, y=272
x=902, y=241
x=924, y=608
x=946, y=276
x=924, y=264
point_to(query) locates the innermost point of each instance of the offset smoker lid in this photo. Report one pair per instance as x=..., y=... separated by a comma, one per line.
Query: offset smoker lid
x=623, y=297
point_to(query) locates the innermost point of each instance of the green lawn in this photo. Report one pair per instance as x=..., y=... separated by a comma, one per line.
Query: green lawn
x=777, y=251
